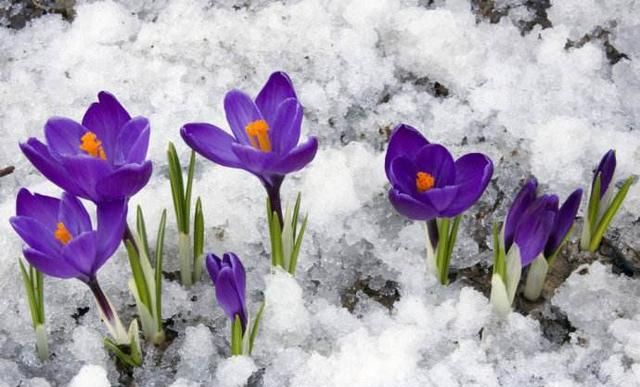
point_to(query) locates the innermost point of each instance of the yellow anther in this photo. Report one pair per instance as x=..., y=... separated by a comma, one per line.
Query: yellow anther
x=62, y=234
x=89, y=143
x=424, y=181
x=258, y=132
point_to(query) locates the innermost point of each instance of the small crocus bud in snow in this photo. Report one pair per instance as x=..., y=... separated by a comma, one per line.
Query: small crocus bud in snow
x=603, y=204
x=229, y=278
x=428, y=184
x=101, y=159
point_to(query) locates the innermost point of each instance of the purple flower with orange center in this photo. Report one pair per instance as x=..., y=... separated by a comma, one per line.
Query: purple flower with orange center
x=61, y=242
x=426, y=182
x=101, y=159
x=265, y=136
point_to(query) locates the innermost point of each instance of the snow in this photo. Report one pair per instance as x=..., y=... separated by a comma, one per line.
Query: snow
x=362, y=310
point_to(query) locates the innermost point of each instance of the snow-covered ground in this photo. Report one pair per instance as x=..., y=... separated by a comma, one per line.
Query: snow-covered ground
x=362, y=310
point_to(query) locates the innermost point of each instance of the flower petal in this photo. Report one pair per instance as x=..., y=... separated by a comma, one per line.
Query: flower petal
x=297, y=159
x=80, y=253
x=606, y=169
x=285, y=127
x=402, y=175
x=54, y=266
x=473, y=173
x=410, y=207
x=228, y=296
x=564, y=220
x=133, y=142
x=88, y=171
x=39, y=207
x=112, y=218
x=535, y=226
x=440, y=198
x=239, y=274
x=73, y=214
x=253, y=160
x=52, y=169
x=436, y=160
x=125, y=182
x=211, y=142
x=240, y=110
x=106, y=118
x=404, y=141
x=36, y=235
x=523, y=200
x=63, y=136
x=213, y=263
x=277, y=89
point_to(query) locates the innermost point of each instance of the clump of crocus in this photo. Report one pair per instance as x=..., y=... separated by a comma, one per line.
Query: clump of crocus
x=428, y=185
x=265, y=143
x=229, y=279
x=604, y=203
x=61, y=242
x=101, y=159
x=533, y=233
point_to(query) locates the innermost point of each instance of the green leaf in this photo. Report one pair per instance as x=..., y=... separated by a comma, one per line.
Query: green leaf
x=158, y=268
x=198, y=241
x=187, y=195
x=442, y=249
x=293, y=264
x=142, y=230
x=296, y=211
x=594, y=204
x=137, y=272
x=453, y=234
x=552, y=257
x=39, y=280
x=177, y=186
x=256, y=325
x=596, y=237
x=31, y=297
x=236, y=337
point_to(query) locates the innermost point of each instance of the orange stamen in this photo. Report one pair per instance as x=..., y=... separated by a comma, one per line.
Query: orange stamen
x=424, y=181
x=258, y=132
x=62, y=234
x=89, y=143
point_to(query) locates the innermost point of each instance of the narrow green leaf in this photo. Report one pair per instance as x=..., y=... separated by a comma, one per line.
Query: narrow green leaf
x=236, y=337
x=552, y=257
x=499, y=262
x=453, y=234
x=198, y=241
x=256, y=325
x=177, y=186
x=293, y=264
x=31, y=298
x=111, y=346
x=442, y=248
x=137, y=272
x=296, y=211
x=142, y=230
x=276, y=248
x=596, y=237
x=594, y=204
x=158, y=268
x=187, y=195
x=40, y=294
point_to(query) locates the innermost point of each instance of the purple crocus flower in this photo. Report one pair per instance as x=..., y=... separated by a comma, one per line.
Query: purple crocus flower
x=536, y=224
x=101, y=159
x=62, y=243
x=265, y=135
x=426, y=182
x=228, y=277
x=606, y=169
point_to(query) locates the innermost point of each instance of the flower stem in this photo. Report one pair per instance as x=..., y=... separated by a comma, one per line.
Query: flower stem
x=273, y=191
x=109, y=315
